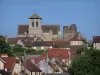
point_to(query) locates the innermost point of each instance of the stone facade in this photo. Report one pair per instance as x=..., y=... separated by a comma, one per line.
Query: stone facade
x=69, y=31
x=36, y=29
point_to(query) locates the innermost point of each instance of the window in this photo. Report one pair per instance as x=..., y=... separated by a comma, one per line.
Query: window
x=36, y=24
x=32, y=24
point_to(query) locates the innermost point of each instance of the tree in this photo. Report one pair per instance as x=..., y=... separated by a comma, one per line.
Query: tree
x=5, y=47
x=18, y=50
x=86, y=64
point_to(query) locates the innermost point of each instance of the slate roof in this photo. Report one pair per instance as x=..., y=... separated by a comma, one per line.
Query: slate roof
x=12, y=40
x=45, y=28
x=31, y=66
x=35, y=16
x=55, y=28
x=96, y=39
x=22, y=29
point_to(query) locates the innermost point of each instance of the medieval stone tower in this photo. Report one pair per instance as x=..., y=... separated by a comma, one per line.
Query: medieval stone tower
x=69, y=31
x=35, y=22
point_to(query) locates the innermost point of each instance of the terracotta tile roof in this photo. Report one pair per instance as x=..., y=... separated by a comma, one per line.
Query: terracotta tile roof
x=31, y=66
x=10, y=63
x=12, y=40
x=96, y=39
x=57, y=53
x=35, y=16
x=45, y=28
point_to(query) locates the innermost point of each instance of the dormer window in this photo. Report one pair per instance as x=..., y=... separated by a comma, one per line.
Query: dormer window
x=36, y=24
x=32, y=24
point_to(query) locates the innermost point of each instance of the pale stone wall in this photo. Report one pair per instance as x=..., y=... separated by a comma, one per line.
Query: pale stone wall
x=28, y=72
x=20, y=43
x=35, y=30
x=21, y=35
x=40, y=47
x=72, y=43
x=36, y=73
x=1, y=65
x=97, y=45
x=68, y=36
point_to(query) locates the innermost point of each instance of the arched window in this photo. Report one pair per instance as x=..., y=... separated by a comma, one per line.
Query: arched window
x=32, y=24
x=36, y=24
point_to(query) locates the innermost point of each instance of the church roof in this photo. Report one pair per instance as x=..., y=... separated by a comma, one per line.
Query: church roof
x=35, y=16
x=45, y=28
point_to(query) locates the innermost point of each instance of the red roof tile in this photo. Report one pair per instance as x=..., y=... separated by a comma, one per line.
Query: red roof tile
x=10, y=63
x=31, y=66
x=57, y=53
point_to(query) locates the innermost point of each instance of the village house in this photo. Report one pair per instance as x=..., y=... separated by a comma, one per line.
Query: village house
x=28, y=42
x=30, y=68
x=96, y=42
x=55, y=60
x=9, y=65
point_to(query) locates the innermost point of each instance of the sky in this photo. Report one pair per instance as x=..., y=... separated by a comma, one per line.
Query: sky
x=84, y=13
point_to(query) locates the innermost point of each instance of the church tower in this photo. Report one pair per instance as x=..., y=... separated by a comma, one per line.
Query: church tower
x=35, y=22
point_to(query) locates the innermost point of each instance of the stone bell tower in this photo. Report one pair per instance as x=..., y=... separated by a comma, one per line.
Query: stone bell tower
x=35, y=22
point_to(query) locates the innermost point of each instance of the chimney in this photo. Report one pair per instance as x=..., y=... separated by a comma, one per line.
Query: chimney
x=6, y=38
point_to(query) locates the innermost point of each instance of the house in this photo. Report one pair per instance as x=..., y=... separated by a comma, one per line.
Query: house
x=36, y=29
x=76, y=40
x=96, y=42
x=31, y=68
x=7, y=65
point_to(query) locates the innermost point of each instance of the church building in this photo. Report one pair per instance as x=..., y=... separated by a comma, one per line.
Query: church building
x=35, y=29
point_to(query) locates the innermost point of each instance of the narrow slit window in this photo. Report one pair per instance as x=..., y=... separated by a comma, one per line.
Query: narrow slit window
x=32, y=24
x=36, y=24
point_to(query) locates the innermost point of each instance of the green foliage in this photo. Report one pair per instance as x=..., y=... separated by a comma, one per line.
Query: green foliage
x=30, y=51
x=18, y=50
x=86, y=64
x=81, y=49
x=5, y=48
x=39, y=51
